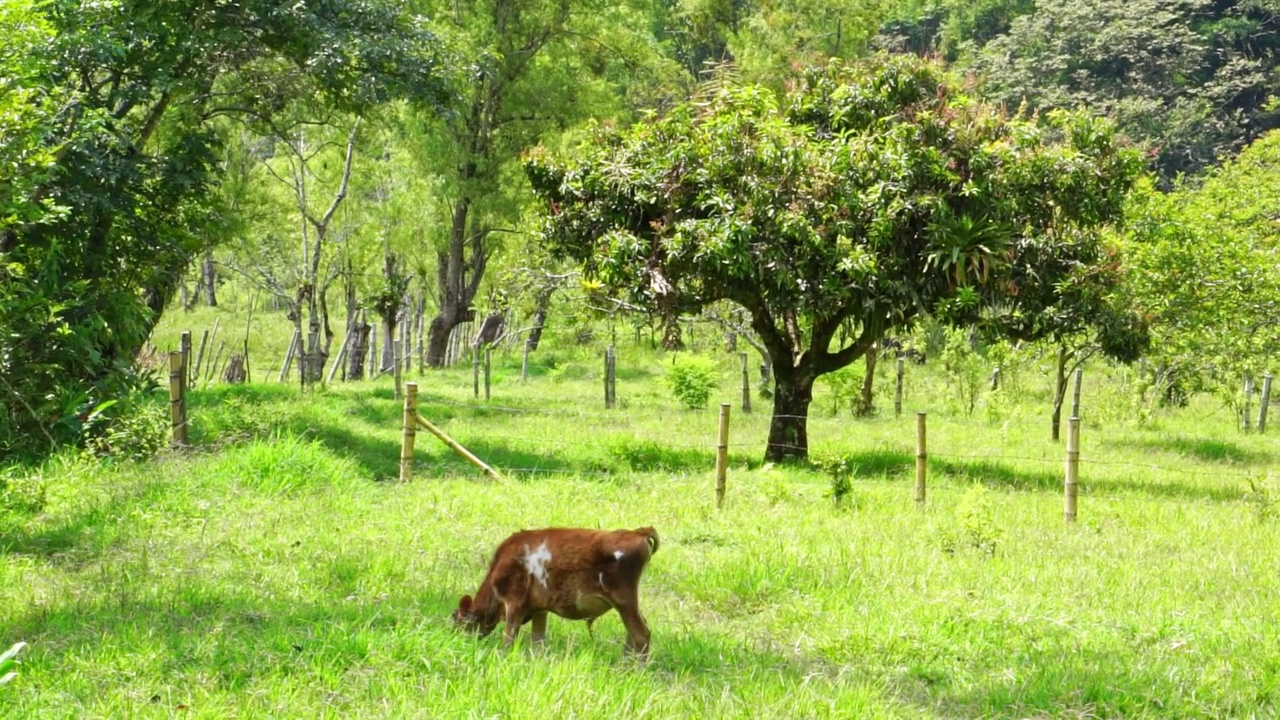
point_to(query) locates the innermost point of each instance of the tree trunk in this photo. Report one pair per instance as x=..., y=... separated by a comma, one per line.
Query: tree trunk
x=788, y=430
x=358, y=349
x=459, y=270
x=672, y=334
x=209, y=275
x=1060, y=391
x=866, y=406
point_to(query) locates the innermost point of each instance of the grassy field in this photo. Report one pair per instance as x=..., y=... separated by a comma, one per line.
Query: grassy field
x=276, y=570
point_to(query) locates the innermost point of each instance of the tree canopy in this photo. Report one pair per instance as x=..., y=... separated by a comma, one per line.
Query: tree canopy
x=867, y=195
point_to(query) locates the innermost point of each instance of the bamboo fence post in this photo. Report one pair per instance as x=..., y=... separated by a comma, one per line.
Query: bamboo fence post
x=177, y=400
x=897, y=390
x=746, y=384
x=397, y=346
x=1248, y=403
x=922, y=458
x=457, y=448
x=204, y=339
x=722, y=454
x=409, y=428
x=1075, y=395
x=1266, y=401
x=607, y=403
x=184, y=347
x=475, y=370
x=613, y=376
x=488, y=366
x=1073, y=468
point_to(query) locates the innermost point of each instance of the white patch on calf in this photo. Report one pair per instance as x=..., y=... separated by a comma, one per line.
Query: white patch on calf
x=617, y=554
x=536, y=561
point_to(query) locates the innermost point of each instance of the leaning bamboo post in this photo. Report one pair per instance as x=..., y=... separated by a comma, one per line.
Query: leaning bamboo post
x=341, y=357
x=213, y=364
x=184, y=347
x=1266, y=400
x=200, y=354
x=746, y=383
x=457, y=448
x=410, y=428
x=1075, y=395
x=897, y=390
x=922, y=458
x=288, y=355
x=177, y=399
x=722, y=454
x=1073, y=469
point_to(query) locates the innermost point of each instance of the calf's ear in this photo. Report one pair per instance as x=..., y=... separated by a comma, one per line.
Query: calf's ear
x=465, y=605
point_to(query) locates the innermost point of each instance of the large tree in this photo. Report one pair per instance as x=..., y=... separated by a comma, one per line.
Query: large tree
x=142, y=87
x=863, y=198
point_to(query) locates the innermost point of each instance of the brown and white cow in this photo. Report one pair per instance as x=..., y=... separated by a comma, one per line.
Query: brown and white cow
x=575, y=573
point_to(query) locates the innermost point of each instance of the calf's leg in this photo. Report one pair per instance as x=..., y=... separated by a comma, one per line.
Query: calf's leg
x=637, y=630
x=514, y=619
x=540, y=628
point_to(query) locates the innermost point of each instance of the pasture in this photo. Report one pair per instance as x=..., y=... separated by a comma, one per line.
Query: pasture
x=277, y=569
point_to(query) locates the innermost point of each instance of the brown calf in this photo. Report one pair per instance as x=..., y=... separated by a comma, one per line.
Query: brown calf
x=575, y=573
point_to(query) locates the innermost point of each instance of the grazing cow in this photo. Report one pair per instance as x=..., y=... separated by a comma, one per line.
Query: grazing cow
x=575, y=573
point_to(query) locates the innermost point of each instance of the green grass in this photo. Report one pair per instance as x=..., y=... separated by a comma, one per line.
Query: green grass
x=276, y=571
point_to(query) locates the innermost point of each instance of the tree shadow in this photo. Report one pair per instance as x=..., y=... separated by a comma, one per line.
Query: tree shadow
x=1204, y=449
x=999, y=475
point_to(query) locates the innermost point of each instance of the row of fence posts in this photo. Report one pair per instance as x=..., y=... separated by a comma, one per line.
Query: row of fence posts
x=1070, y=485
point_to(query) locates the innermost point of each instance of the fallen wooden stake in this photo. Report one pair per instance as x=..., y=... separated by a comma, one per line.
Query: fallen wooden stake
x=453, y=444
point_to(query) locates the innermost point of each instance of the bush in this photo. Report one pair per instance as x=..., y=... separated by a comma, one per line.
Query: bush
x=692, y=379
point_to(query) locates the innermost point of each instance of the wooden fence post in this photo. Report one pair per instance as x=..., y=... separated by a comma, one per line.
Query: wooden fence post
x=1246, y=415
x=184, y=347
x=475, y=371
x=1266, y=400
x=722, y=454
x=410, y=431
x=608, y=400
x=177, y=399
x=922, y=457
x=288, y=356
x=1075, y=395
x=613, y=376
x=488, y=366
x=897, y=390
x=995, y=379
x=1073, y=468
x=746, y=383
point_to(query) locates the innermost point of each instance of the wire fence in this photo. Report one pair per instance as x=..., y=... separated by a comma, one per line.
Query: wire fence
x=893, y=456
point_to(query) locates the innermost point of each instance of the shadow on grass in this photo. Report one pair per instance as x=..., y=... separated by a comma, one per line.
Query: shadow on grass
x=1204, y=449
x=999, y=475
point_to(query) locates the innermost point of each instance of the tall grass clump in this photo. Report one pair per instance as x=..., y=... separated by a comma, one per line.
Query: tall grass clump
x=284, y=464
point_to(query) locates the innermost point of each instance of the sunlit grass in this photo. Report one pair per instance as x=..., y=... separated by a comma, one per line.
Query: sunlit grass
x=275, y=570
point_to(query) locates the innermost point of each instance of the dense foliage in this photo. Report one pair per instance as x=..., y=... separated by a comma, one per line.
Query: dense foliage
x=869, y=195
x=116, y=131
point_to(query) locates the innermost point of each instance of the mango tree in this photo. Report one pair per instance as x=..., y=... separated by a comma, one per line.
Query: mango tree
x=864, y=197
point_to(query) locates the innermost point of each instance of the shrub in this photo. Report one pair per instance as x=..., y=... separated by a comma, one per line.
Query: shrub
x=692, y=379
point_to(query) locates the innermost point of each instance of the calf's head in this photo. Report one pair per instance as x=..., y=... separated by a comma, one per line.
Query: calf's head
x=470, y=617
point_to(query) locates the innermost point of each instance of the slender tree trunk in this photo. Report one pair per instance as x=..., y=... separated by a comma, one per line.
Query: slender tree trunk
x=209, y=275
x=672, y=334
x=788, y=430
x=1060, y=390
x=866, y=404
x=459, y=271
x=358, y=350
